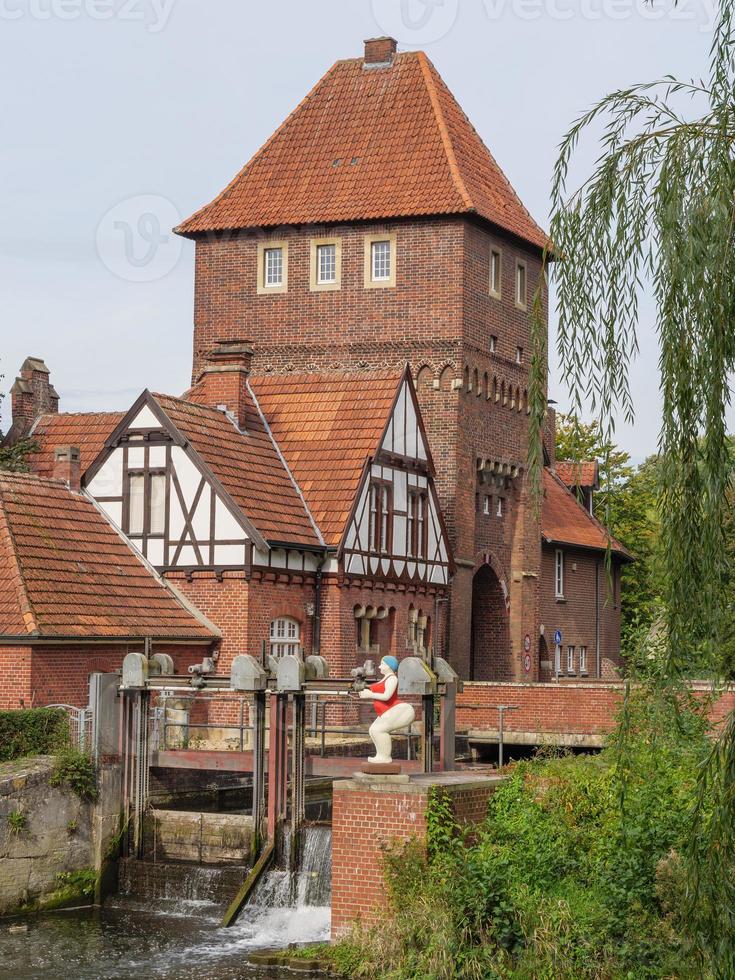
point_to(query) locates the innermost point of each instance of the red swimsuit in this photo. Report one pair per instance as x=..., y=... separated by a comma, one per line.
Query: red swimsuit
x=382, y=706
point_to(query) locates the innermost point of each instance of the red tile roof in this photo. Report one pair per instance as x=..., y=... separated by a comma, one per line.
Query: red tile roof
x=65, y=572
x=86, y=430
x=247, y=465
x=565, y=521
x=584, y=473
x=370, y=144
x=326, y=426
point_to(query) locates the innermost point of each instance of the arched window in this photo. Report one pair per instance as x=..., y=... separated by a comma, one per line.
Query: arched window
x=285, y=637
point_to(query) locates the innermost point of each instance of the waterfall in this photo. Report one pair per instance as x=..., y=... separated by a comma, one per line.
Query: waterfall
x=303, y=875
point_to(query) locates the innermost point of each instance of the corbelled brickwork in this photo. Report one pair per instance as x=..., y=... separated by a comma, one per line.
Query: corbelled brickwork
x=368, y=816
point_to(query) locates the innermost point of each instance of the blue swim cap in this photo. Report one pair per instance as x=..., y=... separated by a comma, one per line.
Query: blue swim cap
x=392, y=663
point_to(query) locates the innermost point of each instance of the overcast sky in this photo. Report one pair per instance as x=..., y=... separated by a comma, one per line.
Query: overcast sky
x=120, y=116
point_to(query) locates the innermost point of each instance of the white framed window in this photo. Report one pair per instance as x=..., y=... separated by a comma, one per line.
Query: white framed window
x=157, y=516
x=493, y=343
x=136, y=512
x=559, y=574
x=519, y=355
x=570, y=660
x=273, y=271
x=285, y=637
x=499, y=508
x=272, y=267
x=381, y=517
x=325, y=264
x=326, y=256
x=583, y=660
x=496, y=272
x=380, y=261
x=486, y=504
x=521, y=286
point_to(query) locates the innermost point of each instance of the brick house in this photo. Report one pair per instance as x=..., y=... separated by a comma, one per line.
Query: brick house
x=347, y=472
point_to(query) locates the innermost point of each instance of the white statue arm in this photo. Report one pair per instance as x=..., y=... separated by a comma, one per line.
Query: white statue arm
x=391, y=683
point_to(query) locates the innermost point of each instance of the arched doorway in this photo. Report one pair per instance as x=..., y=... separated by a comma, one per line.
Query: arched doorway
x=490, y=658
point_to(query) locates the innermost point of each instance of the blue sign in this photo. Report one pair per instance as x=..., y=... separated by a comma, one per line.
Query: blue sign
x=557, y=637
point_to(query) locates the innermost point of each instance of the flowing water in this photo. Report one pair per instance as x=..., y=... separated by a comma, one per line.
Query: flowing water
x=165, y=923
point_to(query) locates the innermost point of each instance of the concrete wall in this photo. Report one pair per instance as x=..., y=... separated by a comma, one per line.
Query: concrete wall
x=204, y=838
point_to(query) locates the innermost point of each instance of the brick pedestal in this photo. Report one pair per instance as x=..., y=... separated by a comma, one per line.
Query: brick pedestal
x=369, y=813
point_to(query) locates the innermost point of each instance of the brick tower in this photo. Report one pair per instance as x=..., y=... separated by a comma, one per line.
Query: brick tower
x=375, y=228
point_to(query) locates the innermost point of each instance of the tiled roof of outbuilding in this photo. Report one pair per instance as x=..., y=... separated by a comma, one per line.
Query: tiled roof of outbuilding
x=565, y=521
x=374, y=144
x=86, y=430
x=65, y=572
x=584, y=473
x=326, y=426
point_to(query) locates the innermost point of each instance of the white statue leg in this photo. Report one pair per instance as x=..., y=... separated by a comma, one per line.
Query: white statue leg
x=399, y=716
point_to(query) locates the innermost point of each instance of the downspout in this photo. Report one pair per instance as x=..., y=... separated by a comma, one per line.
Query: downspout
x=317, y=632
x=597, y=617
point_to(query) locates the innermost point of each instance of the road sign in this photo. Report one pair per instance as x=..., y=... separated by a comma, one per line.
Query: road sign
x=527, y=663
x=527, y=642
x=557, y=637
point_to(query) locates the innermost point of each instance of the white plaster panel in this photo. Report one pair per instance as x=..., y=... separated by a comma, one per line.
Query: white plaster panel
x=278, y=558
x=113, y=509
x=107, y=481
x=411, y=566
x=356, y=565
x=188, y=474
x=400, y=490
x=399, y=566
x=136, y=457
x=387, y=444
x=225, y=525
x=260, y=557
x=399, y=534
x=155, y=552
x=399, y=412
x=157, y=456
x=385, y=565
x=332, y=566
x=145, y=419
x=187, y=556
x=411, y=425
x=200, y=521
x=175, y=517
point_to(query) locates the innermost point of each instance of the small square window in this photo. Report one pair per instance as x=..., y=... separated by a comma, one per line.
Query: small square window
x=381, y=263
x=273, y=273
x=326, y=256
x=496, y=268
x=521, y=284
x=493, y=343
x=519, y=355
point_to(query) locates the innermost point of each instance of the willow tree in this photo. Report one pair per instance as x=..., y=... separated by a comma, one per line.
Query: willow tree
x=657, y=213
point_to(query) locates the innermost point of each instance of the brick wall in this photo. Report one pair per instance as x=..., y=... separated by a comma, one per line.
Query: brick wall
x=439, y=317
x=15, y=677
x=574, y=615
x=584, y=709
x=367, y=818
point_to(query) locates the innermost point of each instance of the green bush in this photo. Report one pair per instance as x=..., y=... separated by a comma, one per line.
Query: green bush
x=76, y=770
x=578, y=871
x=35, y=731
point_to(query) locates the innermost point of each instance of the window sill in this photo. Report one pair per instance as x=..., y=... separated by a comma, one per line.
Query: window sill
x=560, y=599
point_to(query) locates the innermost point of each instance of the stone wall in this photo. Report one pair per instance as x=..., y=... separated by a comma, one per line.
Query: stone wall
x=53, y=837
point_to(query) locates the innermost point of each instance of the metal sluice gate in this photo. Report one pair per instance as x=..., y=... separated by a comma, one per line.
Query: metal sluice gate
x=277, y=690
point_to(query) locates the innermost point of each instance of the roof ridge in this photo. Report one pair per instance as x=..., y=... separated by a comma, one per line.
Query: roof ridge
x=25, y=605
x=443, y=131
x=181, y=228
x=282, y=458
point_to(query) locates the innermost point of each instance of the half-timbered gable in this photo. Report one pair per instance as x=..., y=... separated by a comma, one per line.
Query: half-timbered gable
x=358, y=449
x=192, y=490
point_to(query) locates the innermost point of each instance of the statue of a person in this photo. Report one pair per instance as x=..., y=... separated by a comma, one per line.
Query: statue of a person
x=392, y=713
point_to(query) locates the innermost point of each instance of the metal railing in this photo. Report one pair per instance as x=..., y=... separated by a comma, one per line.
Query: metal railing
x=80, y=725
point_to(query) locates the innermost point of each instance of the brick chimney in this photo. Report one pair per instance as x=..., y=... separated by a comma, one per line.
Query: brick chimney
x=32, y=395
x=68, y=466
x=380, y=50
x=222, y=381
